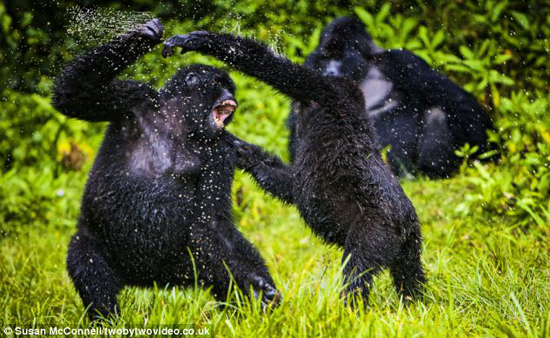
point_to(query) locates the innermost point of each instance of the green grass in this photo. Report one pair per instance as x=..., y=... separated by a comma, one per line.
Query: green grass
x=486, y=277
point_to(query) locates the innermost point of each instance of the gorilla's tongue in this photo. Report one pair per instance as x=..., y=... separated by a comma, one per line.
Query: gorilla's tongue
x=223, y=111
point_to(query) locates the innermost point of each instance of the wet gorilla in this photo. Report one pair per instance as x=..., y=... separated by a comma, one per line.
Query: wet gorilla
x=159, y=190
x=419, y=112
x=339, y=183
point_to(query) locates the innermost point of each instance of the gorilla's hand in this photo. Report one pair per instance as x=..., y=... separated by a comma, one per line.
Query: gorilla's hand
x=152, y=30
x=262, y=287
x=189, y=42
x=269, y=171
x=247, y=154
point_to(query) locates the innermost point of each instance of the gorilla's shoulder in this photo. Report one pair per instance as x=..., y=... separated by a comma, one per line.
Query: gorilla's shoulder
x=403, y=57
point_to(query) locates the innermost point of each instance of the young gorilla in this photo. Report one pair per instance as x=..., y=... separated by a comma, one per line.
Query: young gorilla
x=339, y=183
x=159, y=190
x=416, y=110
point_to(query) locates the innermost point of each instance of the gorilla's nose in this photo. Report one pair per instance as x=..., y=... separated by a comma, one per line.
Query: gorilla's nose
x=332, y=68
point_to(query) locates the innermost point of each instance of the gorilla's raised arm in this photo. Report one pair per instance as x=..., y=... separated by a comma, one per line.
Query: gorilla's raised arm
x=87, y=88
x=256, y=59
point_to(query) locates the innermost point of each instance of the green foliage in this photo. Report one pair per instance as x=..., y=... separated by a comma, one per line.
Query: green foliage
x=486, y=229
x=476, y=48
x=35, y=161
x=517, y=186
x=485, y=279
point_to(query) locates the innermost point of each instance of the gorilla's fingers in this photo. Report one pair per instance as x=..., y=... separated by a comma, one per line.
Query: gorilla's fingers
x=171, y=43
x=150, y=33
x=166, y=51
x=157, y=23
x=189, y=42
x=270, y=295
x=152, y=30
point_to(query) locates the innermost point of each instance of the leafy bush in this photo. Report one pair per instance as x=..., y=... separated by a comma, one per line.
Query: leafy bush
x=486, y=229
x=496, y=50
x=518, y=186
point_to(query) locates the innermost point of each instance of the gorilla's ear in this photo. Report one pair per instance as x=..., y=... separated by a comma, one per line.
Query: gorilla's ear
x=347, y=33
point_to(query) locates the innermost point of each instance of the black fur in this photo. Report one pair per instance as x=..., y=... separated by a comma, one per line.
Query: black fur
x=416, y=110
x=339, y=182
x=157, y=206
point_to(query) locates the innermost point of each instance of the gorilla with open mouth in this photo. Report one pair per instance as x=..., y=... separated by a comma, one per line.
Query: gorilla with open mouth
x=157, y=204
x=338, y=181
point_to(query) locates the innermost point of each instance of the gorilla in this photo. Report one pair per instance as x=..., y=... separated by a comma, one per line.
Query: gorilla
x=339, y=182
x=421, y=114
x=157, y=206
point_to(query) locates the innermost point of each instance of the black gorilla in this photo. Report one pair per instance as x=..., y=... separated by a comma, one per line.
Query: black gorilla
x=339, y=183
x=419, y=112
x=157, y=204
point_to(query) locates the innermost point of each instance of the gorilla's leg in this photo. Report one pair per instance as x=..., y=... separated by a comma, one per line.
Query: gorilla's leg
x=366, y=257
x=406, y=270
x=436, y=155
x=398, y=129
x=218, y=247
x=93, y=278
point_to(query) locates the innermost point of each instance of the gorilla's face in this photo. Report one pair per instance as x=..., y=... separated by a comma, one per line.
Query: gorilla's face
x=345, y=49
x=206, y=97
x=349, y=63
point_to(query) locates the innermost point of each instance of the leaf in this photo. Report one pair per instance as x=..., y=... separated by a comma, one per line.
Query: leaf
x=496, y=95
x=364, y=16
x=498, y=10
x=500, y=59
x=423, y=35
x=524, y=205
x=488, y=154
x=458, y=68
x=483, y=171
x=425, y=55
x=521, y=19
x=483, y=48
x=408, y=25
x=496, y=77
x=466, y=52
x=481, y=85
x=383, y=13
x=448, y=58
x=438, y=38
x=480, y=18
x=413, y=45
x=475, y=65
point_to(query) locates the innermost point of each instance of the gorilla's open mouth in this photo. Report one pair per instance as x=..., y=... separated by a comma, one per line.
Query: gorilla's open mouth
x=222, y=111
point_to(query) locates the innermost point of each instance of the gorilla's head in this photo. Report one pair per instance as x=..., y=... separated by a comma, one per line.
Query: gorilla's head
x=345, y=49
x=205, y=96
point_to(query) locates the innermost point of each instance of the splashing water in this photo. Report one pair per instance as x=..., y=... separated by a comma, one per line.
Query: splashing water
x=232, y=23
x=101, y=24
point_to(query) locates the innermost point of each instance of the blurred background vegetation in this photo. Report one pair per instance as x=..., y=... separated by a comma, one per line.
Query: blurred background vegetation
x=486, y=229
x=498, y=50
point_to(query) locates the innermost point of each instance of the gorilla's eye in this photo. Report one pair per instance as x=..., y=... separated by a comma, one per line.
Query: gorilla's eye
x=191, y=79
